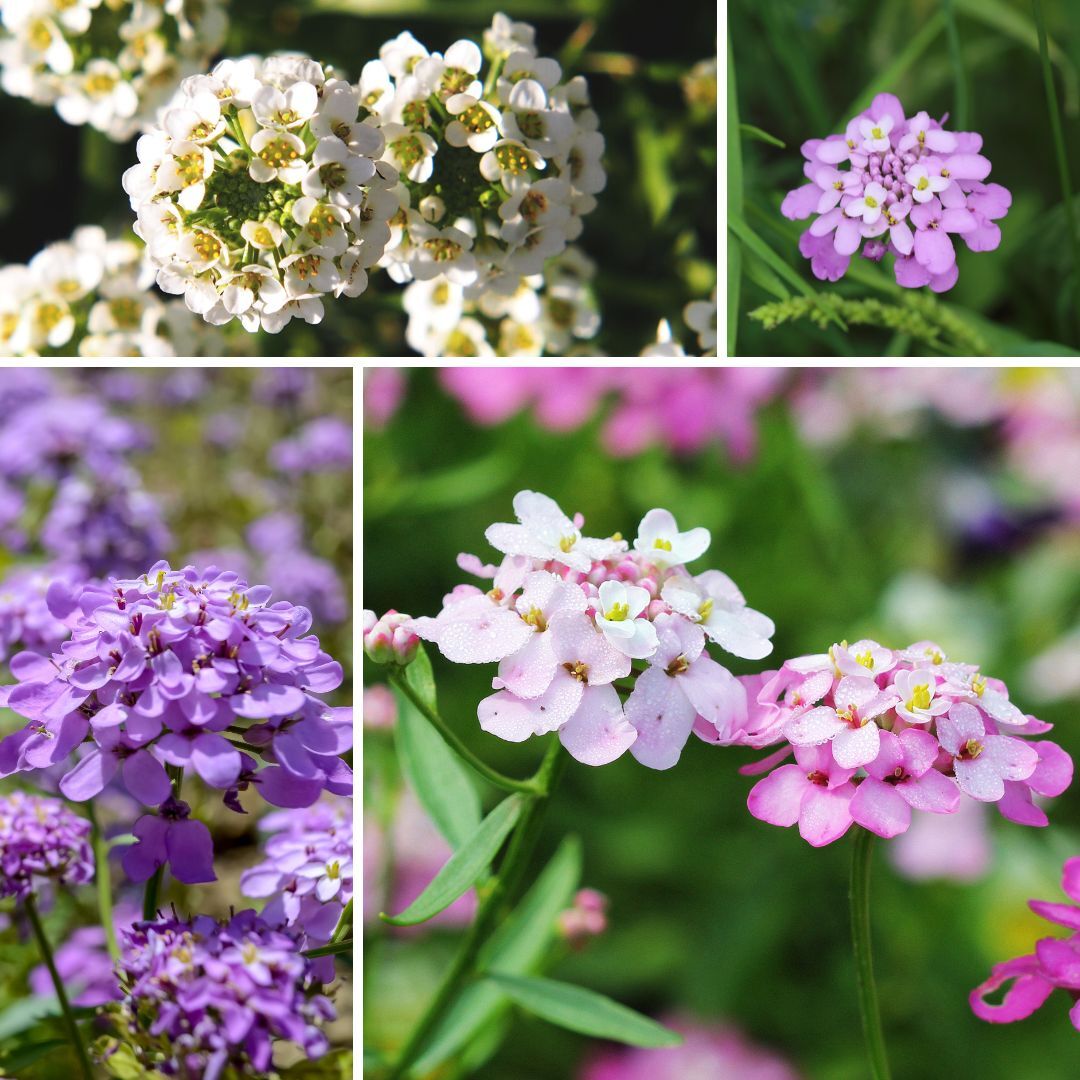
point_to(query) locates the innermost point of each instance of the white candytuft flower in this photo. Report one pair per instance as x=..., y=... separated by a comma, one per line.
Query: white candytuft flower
x=91, y=296
x=262, y=191
x=108, y=63
x=499, y=160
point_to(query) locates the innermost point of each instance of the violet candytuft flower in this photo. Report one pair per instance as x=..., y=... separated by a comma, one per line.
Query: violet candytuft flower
x=160, y=671
x=909, y=187
x=26, y=623
x=878, y=733
x=568, y=613
x=1054, y=964
x=41, y=842
x=207, y=999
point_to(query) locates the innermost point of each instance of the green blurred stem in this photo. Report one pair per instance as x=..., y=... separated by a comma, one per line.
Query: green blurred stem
x=1059, y=140
x=333, y=949
x=344, y=924
x=104, y=883
x=153, y=886
x=961, y=115
x=61, y=993
x=492, y=776
x=864, y=963
x=501, y=888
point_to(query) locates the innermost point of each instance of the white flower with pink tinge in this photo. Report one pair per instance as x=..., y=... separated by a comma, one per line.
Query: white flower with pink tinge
x=982, y=763
x=543, y=531
x=919, y=699
x=713, y=600
x=681, y=684
x=618, y=618
x=660, y=541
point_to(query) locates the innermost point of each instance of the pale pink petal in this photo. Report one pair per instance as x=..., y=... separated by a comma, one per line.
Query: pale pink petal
x=529, y=671
x=854, y=747
x=826, y=814
x=814, y=727
x=879, y=808
x=801, y=202
x=718, y=697
x=933, y=791
x=777, y=798
x=934, y=250
x=1054, y=772
x=663, y=717
x=598, y=732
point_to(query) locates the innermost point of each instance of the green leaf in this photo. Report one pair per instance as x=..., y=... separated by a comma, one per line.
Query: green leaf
x=584, y=1011
x=655, y=149
x=420, y=676
x=518, y=947
x=464, y=867
x=436, y=775
x=734, y=146
x=25, y=1013
x=752, y=132
x=761, y=275
x=27, y=1055
x=734, y=288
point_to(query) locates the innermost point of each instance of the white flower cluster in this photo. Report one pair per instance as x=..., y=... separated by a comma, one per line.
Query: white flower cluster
x=551, y=313
x=89, y=296
x=261, y=192
x=498, y=167
x=107, y=63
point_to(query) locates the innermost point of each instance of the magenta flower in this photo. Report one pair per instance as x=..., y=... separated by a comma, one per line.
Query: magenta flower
x=906, y=730
x=898, y=168
x=1054, y=964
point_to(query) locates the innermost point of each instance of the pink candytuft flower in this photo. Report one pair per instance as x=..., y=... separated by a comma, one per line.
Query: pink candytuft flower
x=877, y=734
x=586, y=919
x=910, y=187
x=1054, y=964
x=566, y=616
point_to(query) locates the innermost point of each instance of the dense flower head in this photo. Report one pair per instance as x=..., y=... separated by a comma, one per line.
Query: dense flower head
x=42, y=841
x=499, y=157
x=907, y=186
x=1054, y=964
x=261, y=192
x=91, y=295
x=26, y=623
x=159, y=672
x=877, y=733
x=568, y=613
x=110, y=65
x=308, y=870
x=206, y=999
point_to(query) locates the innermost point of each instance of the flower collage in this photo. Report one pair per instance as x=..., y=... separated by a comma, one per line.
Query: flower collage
x=712, y=610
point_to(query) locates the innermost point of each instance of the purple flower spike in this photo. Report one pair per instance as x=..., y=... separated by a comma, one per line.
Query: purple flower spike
x=219, y=994
x=896, y=164
x=168, y=670
x=41, y=841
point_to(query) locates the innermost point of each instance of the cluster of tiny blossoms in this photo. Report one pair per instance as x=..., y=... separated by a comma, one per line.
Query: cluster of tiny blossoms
x=260, y=192
x=498, y=164
x=90, y=295
x=159, y=672
x=41, y=841
x=568, y=616
x=909, y=185
x=107, y=63
x=209, y=999
x=877, y=733
x=1054, y=964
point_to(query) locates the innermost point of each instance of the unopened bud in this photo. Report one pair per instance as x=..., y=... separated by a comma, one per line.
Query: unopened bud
x=389, y=639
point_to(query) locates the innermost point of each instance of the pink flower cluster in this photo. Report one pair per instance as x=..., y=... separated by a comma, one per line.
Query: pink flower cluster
x=877, y=733
x=909, y=185
x=1055, y=963
x=599, y=641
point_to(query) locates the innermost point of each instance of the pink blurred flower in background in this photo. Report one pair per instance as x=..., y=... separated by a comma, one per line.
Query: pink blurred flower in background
x=384, y=391
x=955, y=847
x=708, y=1052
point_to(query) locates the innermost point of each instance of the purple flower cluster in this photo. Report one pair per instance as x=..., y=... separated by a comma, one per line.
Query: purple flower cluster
x=168, y=670
x=206, y=999
x=41, y=840
x=308, y=869
x=25, y=619
x=909, y=185
x=321, y=445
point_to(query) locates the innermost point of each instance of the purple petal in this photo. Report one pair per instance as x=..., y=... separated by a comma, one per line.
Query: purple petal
x=191, y=852
x=146, y=779
x=215, y=759
x=801, y=202
x=281, y=788
x=267, y=700
x=89, y=777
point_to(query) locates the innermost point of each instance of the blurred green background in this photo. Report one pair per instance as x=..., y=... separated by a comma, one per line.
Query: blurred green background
x=711, y=912
x=803, y=68
x=653, y=233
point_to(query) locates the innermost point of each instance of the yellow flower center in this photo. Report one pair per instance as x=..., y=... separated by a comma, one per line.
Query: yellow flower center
x=920, y=697
x=618, y=613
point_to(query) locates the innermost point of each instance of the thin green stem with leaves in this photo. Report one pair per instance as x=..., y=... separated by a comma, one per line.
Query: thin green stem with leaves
x=344, y=924
x=500, y=889
x=492, y=776
x=333, y=949
x=864, y=963
x=61, y=994
x=104, y=883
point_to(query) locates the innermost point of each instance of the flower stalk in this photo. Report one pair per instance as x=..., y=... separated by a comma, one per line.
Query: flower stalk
x=104, y=883
x=61, y=994
x=864, y=963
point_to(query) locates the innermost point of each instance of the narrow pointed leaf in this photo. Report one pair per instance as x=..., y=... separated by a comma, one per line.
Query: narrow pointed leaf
x=518, y=947
x=584, y=1011
x=462, y=870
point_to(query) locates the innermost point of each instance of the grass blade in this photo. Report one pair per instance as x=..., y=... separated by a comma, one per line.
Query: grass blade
x=961, y=114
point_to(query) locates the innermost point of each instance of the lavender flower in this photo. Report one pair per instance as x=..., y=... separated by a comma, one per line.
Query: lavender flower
x=909, y=185
x=109, y=527
x=25, y=619
x=206, y=999
x=322, y=445
x=159, y=670
x=41, y=840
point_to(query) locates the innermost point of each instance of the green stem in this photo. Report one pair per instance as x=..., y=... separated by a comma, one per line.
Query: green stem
x=344, y=924
x=1059, y=141
x=864, y=964
x=961, y=117
x=104, y=883
x=493, y=776
x=333, y=949
x=150, y=895
x=61, y=993
x=501, y=888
